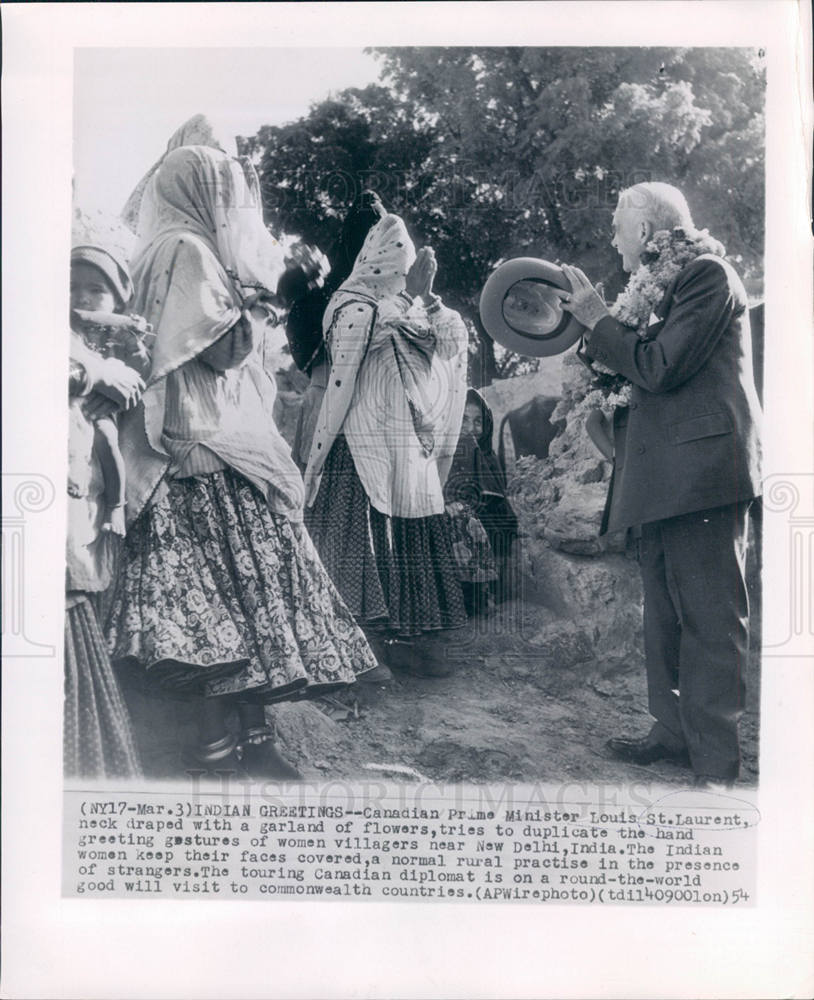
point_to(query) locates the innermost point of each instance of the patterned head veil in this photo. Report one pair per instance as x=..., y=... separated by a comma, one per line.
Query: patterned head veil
x=386, y=256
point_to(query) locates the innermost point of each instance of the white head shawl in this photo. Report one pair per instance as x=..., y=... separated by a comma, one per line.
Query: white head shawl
x=196, y=131
x=200, y=202
x=204, y=192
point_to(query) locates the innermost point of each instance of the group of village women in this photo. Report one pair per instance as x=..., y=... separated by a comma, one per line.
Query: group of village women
x=204, y=557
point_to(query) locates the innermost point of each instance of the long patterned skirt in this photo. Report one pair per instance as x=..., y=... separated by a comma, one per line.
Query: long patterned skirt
x=394, y=571
x=218, y=595
x=97, y=736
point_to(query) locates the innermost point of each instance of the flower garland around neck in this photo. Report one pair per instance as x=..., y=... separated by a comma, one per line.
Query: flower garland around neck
x=667, y=253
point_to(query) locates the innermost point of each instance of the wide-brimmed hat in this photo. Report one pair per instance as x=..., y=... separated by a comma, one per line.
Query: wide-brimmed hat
x=521, y=310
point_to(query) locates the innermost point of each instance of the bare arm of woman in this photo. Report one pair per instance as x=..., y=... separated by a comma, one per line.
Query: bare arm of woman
x=231, y=349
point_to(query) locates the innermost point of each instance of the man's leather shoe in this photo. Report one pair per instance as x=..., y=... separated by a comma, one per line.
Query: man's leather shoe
x=645, y=751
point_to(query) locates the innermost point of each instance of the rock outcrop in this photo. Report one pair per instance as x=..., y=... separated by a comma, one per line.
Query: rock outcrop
x=589, y=584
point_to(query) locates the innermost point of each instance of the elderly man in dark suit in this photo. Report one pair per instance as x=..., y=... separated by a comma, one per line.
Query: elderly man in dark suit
x=686, y=469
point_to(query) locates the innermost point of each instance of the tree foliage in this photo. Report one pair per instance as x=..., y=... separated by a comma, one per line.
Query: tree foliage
x=491, y=153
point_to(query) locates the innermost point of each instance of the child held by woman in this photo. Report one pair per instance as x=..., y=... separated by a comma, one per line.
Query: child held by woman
x=100, y=292
x=98, y=737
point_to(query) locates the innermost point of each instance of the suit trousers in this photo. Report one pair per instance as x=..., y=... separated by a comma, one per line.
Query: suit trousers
x=696, y=633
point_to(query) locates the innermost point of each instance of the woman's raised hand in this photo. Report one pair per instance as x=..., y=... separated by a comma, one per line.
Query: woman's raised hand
x=422, y=274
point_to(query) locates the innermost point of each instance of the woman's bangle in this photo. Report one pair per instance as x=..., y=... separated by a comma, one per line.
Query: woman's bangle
x=79, y=383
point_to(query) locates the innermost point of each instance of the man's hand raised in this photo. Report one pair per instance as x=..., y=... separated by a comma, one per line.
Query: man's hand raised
x=584, y=302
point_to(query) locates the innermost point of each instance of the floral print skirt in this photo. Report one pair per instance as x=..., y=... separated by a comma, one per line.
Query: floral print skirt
x=219, y=595
x=395, y=572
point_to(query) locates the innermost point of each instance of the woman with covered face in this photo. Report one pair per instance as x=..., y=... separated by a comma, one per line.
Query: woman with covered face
x=383, y=444
x=304, y=321
x=221, y=593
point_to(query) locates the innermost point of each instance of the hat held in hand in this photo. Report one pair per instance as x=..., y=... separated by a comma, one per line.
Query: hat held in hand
x=521, y=310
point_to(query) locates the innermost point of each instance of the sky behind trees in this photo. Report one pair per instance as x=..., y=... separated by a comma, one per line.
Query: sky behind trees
x=128, y=102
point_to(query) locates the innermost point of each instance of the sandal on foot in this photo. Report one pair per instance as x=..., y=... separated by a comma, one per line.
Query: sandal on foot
x=218, y=759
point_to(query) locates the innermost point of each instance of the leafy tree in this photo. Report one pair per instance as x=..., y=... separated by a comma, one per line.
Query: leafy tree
x=312, y=169
x=491, y=153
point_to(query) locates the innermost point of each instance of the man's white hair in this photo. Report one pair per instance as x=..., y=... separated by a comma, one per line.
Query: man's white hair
x=662, y=205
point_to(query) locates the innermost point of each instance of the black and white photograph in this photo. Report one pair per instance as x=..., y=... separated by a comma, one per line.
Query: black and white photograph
x=432, y=481
x=420, y=431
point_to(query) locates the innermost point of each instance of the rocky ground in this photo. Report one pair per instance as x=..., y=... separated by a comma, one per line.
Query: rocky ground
x=521, y=706
x=511, y=712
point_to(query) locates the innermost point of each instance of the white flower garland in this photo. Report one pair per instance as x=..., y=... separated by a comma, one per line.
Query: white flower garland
x=666, y=254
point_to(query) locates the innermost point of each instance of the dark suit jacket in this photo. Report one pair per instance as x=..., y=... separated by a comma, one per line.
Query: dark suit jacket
x=690, y=439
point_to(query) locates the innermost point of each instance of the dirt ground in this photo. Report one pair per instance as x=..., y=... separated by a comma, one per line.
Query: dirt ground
x=501, y=716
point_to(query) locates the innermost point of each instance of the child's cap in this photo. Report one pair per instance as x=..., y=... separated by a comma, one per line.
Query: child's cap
x=115, y=271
